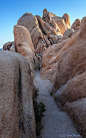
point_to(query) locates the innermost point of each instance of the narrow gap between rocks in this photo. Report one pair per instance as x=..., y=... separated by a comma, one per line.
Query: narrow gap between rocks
x=56, y=122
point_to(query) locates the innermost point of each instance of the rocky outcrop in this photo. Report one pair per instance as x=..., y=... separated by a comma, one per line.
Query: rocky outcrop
x=9, y=46
x=51, y=56
x=66, y=19
x=70, y=61
x=64, y=64
x=30, y=22
x=49, y=25
x=68, y=33
x=24, y=45
x=16, y=97
x=77, y=112
x=62, y=22
x=46, y=15
x=76, y=24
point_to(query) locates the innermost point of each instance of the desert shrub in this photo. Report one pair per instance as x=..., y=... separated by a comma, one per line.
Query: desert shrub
x=39, y=109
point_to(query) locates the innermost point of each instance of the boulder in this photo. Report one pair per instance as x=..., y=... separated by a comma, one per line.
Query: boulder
x=24, y=45
x=40, y=47
x=49, y=61
x=9, y=46
x=77, y=112
x=76, y=24
x=62, y=22
x=68, y=33
x=17, y=118
x=46, y=28
x=71, y=60
x=74, y=89
x=67, y=19
x=54, y=25
x=46, y=15
x=30, y=22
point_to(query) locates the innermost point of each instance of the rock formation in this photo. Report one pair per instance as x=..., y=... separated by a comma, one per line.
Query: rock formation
x=76, y=24
x=49, y=43
x=30, y=22
x=9, y=46
x=68, y=33
x=64, y=64
x=24, y=45
x=16, y=97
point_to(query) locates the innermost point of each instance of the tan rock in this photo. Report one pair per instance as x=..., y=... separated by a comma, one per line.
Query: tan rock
x=40, y=47
x=77, y=112
x=74, y=89
x=62, y=23
x=54, y=25
x=54, y=38
x=46, y=15
x=67, y=19
x=68, y=33
x=49, y=61
x=76, y=24
x=16, y=97
x=24, y=45
x=71, y=61
x=31, y=23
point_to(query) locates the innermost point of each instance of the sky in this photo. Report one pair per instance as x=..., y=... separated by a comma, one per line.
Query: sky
x=12, y=10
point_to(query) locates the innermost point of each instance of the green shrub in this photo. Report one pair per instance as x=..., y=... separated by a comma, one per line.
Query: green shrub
x=39, y=109
x=36, y=92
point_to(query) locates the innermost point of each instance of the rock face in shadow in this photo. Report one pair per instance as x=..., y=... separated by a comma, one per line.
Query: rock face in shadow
x=9, y=46
x=16, y=97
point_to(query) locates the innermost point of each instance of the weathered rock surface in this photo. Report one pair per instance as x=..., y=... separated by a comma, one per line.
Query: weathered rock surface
x=24, y=45
x=68, y=33
x=71, y=61
x=65, y=65
x=31, y=23
x=74, y=89
x=77, y=112
x=16, y=97
x=46, y=15
x=51, y=56
x=62, y=22
x=9, y=46
x=76, y=24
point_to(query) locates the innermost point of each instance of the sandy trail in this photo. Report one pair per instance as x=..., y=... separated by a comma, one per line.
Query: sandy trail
x=57, y=123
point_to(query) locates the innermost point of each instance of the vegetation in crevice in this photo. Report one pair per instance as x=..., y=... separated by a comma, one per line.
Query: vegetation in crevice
x=39, y=109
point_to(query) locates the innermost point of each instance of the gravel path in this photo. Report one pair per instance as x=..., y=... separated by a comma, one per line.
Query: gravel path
x=57, y=123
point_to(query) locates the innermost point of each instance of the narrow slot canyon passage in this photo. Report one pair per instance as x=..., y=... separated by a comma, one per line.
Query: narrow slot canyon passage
x=56, y=122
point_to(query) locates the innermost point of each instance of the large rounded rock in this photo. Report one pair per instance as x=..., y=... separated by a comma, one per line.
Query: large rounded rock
x=67, y=19
x=71, y=61
x=31, y=23
x=74, y=89
x=16, y=97
x=68, y=33
x=77, y=112
x=24, y=45
x=76, y=24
